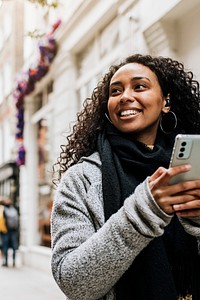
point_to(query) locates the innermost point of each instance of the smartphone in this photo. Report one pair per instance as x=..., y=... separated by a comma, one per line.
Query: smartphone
x=186, y=150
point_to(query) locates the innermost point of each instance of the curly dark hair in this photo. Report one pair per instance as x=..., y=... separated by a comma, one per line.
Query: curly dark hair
x=173, y=79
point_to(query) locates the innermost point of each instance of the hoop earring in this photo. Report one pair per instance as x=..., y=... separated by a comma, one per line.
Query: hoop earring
x=168, y=122
x=107, y=117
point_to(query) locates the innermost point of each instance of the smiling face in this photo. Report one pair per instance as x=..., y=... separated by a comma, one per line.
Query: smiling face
x=136, y=102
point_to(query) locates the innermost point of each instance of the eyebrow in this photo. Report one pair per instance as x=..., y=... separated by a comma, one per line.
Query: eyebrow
x=140, y=77
x=132, y=79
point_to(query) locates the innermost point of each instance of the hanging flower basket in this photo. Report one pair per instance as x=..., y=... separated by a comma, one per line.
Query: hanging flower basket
x=47, y=47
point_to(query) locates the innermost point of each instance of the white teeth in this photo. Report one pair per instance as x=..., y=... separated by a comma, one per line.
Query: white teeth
x=129, y=112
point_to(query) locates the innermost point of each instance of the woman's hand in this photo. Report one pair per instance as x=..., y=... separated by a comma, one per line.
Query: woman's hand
x=182, y=198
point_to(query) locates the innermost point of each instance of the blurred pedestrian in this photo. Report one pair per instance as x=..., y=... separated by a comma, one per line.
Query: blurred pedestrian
x=3, y=228
x=10, y=237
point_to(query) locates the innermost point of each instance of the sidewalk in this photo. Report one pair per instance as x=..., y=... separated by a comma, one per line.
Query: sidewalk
x=23, y=283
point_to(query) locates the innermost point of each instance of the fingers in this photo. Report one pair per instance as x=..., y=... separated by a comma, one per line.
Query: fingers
x=189, y=188
x=181, y=198
x=162, y=175
x=173, y=171
x=179, y=169
x=171, y=204
x=190, y=205
x=158, y=173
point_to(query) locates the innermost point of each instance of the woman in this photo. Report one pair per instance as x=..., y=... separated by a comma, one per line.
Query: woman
x=119, y=231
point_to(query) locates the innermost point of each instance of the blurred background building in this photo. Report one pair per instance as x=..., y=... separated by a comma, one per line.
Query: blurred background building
x=51, y=57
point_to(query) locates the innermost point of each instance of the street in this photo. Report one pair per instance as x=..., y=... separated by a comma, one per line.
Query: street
x=23, y=283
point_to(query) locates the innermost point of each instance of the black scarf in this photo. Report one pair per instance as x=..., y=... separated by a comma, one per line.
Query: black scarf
x=169, y=265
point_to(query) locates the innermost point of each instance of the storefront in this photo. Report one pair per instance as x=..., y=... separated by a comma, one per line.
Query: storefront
x=9, y=181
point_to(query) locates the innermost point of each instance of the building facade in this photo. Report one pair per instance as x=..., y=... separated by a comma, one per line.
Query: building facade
x=11, y=60
x=92, y=36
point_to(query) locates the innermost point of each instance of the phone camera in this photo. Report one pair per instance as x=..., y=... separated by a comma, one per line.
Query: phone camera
x=182, y=149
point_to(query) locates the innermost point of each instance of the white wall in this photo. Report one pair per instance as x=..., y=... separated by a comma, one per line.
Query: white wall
x=189, y=41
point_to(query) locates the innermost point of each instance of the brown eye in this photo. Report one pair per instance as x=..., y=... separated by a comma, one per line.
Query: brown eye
x=115, y=91
x=140, y=87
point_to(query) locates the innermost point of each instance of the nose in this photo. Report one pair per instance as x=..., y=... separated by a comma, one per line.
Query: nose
x=127, y=96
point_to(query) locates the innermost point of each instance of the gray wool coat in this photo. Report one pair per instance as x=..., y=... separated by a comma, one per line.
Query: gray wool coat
x=89, y=255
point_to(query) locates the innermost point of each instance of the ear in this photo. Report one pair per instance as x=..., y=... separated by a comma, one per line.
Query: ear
x=166, y=109
x=166, y=104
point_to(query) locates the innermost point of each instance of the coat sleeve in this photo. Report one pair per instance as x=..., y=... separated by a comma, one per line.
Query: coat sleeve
x=87, y=261
x=191, y=225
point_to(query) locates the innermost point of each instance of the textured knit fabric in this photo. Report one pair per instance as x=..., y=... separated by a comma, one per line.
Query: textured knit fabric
x=88, y=255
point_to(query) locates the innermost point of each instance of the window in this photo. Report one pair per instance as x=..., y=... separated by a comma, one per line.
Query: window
x=94, y=59
x=109, y=38
x=44, y=181
x=43, y=97
x=87, y=57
